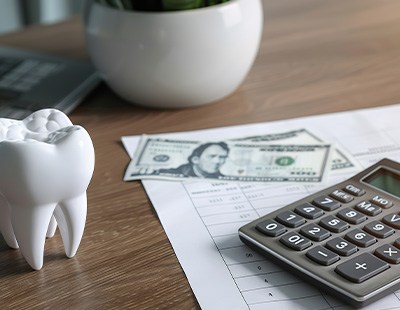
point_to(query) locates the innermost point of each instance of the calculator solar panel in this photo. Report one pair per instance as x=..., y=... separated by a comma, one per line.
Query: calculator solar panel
x=344, y=239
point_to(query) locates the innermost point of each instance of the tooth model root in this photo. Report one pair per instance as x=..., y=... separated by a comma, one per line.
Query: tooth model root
x=71, y=217
x=5, y=224
x=46, y=164
x=52, y=228
x=30, y=225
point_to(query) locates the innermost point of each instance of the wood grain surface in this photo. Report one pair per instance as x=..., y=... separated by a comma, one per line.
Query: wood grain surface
x=315, y=57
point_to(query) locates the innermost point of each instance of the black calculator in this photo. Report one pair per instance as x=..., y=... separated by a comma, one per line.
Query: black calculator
x=344, y=239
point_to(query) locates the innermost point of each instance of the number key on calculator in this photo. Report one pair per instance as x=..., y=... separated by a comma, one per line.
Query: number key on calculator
x=344, y=239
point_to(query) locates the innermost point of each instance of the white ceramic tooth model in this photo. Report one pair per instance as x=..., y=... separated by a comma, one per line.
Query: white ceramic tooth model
x=46, y=164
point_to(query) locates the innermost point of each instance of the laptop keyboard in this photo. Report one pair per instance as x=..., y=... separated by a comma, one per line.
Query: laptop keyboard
x=18, y=76
x=30, y=81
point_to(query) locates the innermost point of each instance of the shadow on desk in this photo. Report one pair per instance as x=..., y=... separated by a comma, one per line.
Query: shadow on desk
x=13, y=263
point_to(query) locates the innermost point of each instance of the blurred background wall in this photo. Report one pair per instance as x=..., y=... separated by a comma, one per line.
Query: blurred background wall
x=16, y=14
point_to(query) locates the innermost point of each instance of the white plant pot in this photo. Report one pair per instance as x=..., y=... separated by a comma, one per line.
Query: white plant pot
x=175, y=59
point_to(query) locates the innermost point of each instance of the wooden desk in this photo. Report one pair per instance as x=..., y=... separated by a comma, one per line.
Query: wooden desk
x=315, y=57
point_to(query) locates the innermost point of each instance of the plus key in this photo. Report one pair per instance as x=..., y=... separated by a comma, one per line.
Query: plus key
x=361, y=268
x=388, y=253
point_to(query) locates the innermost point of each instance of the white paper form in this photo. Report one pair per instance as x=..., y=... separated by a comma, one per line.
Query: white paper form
x=201, y=219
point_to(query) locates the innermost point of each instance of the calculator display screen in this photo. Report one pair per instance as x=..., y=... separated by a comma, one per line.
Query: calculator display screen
x=385, y=180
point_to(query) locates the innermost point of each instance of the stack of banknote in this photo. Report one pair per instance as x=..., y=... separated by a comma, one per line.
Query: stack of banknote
x=293, y=156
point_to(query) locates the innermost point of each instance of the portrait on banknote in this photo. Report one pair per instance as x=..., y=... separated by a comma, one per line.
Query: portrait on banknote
x=205, y=161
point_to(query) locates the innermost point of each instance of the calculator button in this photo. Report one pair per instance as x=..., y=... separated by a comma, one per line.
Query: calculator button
x=333, y=224
x=341, y=246
x=368, y=208
x=378, y=229
x=392, y=220
x=397, y=243
x=308, y=211
x=322, y=255
x=326, y=203
x=288, y=218
x=381, y=202
x=341, y=196
x=295, y=241
x=360, y=238
x=351, y=216
x=314, y=232
x=354, y=190
x=388, y=253
x=271, y=228
x=361, y=268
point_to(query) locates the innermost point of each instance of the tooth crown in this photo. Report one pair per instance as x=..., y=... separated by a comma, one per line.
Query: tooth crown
x=37, y=126
x=46, y=164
